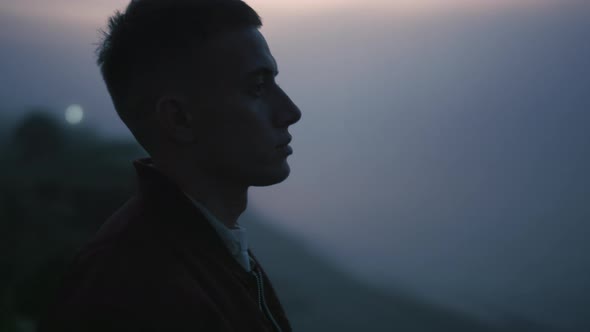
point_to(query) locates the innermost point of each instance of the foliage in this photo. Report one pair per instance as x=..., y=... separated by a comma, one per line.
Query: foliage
x=56, y=187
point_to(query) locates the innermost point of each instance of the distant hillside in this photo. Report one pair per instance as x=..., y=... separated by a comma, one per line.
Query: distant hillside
x=320, y=297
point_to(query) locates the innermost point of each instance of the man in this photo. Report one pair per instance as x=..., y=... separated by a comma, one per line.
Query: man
x=194, y=81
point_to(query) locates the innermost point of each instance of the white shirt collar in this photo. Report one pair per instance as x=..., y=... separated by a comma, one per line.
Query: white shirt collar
x=234, y=239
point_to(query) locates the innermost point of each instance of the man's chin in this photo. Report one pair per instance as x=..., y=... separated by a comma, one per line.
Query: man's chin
x=272, y=177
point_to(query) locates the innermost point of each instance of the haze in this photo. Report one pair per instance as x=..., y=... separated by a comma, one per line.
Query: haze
x=443, y=146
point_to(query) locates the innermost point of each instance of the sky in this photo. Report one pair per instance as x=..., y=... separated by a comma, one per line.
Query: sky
x=443, y=146
x=96, y=10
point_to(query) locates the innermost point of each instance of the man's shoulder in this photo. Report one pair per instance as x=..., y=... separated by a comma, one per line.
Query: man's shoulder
x=115, y=287
x=130, y=243
x=118, y=273
x=125, y=273
x=119, y=224
x=125, y=254
x=123, y=239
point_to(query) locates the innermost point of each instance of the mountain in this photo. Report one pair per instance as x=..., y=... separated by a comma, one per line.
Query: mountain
x=318, y=296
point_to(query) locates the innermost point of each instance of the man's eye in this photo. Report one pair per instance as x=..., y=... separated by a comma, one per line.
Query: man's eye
x=259, y=89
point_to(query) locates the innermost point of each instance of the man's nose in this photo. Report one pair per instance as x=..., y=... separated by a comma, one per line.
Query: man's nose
x=287, y=112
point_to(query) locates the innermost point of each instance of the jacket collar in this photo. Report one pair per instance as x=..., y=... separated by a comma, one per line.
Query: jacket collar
x=183, y=225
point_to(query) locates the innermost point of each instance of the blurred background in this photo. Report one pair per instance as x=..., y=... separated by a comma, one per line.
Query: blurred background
x=440, y=179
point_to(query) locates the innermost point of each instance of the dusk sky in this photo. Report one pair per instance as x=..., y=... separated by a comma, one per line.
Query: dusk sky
x=89, y=11
x=444, y=144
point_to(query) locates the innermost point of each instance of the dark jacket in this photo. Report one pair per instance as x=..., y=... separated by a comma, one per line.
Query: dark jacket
x=158, y=265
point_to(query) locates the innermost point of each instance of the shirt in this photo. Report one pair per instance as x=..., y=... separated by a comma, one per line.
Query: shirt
x=234, y=238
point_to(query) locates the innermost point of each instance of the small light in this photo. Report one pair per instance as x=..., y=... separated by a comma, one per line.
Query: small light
x=74, y=114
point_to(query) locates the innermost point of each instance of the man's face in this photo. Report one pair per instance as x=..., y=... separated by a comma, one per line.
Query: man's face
x=245, y=115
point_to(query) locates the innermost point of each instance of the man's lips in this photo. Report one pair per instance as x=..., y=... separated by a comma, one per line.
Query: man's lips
x=285, y=149
x=285, y=143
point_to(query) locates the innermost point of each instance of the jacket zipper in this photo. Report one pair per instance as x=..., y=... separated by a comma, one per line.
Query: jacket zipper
x=262, y=302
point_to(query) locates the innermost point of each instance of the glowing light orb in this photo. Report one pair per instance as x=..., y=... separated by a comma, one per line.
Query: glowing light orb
x=74, y=114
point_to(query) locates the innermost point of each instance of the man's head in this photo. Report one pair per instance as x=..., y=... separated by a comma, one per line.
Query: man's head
x=195, y=83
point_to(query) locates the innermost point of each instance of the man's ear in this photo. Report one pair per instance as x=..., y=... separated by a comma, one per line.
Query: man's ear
x=175, y=119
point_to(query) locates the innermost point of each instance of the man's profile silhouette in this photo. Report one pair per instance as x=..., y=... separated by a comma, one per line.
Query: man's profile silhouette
x=194, y=81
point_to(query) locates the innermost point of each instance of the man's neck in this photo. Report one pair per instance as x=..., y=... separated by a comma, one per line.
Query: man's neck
x=226, y=201
x=226, y=206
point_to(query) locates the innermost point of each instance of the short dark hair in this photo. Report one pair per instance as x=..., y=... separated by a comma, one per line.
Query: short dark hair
x=141, y=46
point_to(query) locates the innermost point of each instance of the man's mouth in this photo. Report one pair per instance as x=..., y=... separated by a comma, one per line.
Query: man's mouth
x=285, y=143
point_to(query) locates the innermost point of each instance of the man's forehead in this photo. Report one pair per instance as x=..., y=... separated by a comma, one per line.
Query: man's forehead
x=241, y=52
